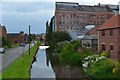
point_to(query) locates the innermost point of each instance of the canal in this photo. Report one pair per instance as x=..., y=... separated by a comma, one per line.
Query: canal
x=47, y=66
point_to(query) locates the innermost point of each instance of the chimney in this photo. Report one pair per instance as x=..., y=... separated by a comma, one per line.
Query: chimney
x=98, y=4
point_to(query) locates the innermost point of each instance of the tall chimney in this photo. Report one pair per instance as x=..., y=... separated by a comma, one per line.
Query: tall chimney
x=98, y=4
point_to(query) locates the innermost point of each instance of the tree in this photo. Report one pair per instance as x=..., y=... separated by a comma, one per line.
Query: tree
x=49, y=30
x=6, y=42
x=57, y=37
x=32, y=37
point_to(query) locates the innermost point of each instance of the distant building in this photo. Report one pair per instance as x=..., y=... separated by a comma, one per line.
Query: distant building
x=74, y=17
x=40, y=37
x=3, y=31
x=109, y=37
x=16, y=37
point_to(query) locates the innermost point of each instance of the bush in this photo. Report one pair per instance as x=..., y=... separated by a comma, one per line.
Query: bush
x=105, y=53
x=69, y=54
x=102, y=69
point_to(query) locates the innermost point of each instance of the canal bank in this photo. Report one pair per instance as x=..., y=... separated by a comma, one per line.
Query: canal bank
x=21, y=66
x=47, y=66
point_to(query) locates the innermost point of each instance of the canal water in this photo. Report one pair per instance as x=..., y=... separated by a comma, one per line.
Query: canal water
x=47, y=66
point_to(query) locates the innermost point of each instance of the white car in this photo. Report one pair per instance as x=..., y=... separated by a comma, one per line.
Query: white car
x=2, y=50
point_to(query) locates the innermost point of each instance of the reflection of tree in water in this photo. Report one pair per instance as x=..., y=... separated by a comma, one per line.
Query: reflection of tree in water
x=52, y=58
x=62, y=71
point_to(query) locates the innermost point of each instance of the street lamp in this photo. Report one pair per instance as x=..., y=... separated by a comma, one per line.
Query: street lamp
x=29, y=39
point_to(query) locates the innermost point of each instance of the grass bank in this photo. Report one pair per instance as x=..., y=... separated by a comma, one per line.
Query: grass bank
x=20, y=68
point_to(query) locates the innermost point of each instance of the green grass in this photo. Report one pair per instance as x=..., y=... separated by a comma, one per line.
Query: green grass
x=20, y=68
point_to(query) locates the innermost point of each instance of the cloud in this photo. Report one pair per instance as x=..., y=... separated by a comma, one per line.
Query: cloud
x=17, y=16
x=80, y=1
x=27, y=6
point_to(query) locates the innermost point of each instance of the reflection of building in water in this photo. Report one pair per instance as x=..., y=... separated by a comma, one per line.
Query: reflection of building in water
x=67, y=72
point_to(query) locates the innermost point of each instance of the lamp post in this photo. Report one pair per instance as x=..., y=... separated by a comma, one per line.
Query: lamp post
x=29, y=39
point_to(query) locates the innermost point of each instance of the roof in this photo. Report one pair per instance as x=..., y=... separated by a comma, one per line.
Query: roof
x=114, y=7
x=93, y=31
x=2, y=26
x=85, y=30
x=113, y=22
x=66, y=6
x=13, y=34
x=75, y=6
x=90, y=37
x=80, y=37
x=73, y=34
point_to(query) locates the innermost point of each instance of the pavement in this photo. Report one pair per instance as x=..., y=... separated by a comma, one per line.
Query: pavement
x=11, y=54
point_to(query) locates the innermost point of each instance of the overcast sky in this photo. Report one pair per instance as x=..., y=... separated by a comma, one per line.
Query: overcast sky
x=17, y=15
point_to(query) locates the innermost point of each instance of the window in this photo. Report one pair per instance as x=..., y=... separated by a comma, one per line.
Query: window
x=71, y=15
x=59, y=15
x=63, y=15
x=111, y=32
x=60, y=22
x=103, y=47
x=74, y=15
x=111, y=47
x=103, y=33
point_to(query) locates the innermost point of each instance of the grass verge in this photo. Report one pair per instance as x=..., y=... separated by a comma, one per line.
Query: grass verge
x=20, y=68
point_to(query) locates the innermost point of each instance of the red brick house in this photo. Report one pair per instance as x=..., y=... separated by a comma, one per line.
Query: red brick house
x=109, y=37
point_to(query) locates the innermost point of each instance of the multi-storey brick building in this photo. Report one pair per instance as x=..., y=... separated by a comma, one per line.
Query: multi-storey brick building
x=109, y=37
x=74, y=17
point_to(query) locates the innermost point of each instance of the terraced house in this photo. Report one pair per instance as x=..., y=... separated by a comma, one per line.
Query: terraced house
x=71, y=16
x=109, y=37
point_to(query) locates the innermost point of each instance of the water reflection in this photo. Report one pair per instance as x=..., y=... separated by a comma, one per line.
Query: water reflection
x=63, y=72
x=39, y=68
x=48, y=66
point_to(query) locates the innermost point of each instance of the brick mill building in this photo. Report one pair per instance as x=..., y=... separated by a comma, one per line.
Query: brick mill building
x=74, y=17
x=16, y=37
x=109, y=37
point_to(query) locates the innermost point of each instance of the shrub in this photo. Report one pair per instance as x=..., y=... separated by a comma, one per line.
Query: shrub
x=102, y=69
x=105, y=53
x=91, y=60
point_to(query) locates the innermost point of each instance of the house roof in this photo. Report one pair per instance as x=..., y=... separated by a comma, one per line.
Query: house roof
x=90, y=37
x=113, y=22
x=75, y=6
x=85, y=30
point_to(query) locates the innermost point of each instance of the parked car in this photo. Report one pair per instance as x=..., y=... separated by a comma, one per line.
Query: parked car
x=22, y=44
x=2, y=50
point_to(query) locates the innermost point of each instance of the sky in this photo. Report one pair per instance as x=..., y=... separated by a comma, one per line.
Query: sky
x=17, y=15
